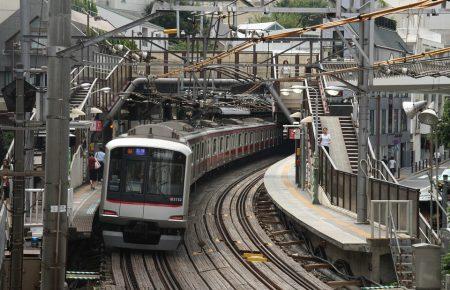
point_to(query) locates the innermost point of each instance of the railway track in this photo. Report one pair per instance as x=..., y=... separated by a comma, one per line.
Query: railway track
x=222, y=229
x=282, y=268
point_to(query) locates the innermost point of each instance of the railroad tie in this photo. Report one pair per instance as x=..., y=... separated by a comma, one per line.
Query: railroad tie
x=298, y=257
x=289, y=243
x=314, y=266
x=343, y=283
x=278, y=233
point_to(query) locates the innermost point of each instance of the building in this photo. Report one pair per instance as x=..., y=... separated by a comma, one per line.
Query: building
x=128, y=5
x=120, y=17
x=10, y=36
x=388, y=126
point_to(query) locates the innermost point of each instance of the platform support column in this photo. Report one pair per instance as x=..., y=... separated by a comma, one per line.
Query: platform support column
x=365, y=81
x=53, y=266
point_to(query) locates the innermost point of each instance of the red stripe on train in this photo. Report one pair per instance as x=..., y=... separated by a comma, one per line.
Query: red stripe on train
x=142, y=203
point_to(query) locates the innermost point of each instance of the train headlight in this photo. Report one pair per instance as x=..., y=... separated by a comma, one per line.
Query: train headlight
x=110, y=213
x=176, y=217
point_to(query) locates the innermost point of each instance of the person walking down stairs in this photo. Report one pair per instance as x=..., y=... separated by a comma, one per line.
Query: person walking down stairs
x=325, y=139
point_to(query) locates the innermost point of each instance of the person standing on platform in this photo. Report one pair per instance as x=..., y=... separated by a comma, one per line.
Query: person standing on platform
x=325, y=139
x=100, y=156
x=392, y=165
x=6, y=181
x=385, y=160
x=92, y=164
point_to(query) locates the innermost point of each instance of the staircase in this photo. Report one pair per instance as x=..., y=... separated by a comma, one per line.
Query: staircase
x=401, y=250
x=351, y=142
x=77, y=97
x=313, y=94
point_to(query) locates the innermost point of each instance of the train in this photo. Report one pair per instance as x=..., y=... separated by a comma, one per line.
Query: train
x=149, y=172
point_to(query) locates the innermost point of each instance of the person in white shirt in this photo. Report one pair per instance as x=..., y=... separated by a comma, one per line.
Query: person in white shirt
x=325, y=139
x=100, y=156
x=286, y=69
x=392, y=164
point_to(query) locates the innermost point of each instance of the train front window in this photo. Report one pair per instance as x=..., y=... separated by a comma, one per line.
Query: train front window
x=166, y=173
x=135, y=173
x=146, y=175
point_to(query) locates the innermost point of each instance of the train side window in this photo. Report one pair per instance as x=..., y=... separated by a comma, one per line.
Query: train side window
x=245, y=139
x=220, y=144
x=239, y=139
x=227, y=143
x=215, y=146
x=203, y=150
x=251, y=137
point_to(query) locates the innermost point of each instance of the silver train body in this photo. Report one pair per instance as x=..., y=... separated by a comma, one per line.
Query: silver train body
x=149, y=172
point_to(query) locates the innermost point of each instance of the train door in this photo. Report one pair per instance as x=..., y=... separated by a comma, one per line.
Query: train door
x=203, y=158
x=208, y=155
x=214, y=154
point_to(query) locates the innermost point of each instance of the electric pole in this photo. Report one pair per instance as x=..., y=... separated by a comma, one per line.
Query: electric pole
x=19, y=185
x=365, y=80
x=57, y=144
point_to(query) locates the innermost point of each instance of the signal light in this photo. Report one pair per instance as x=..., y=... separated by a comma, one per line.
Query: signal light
x=170, y=31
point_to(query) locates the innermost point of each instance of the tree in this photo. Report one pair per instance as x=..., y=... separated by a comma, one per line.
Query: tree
x=443, y=127
x=292, y=20
x=169, y=19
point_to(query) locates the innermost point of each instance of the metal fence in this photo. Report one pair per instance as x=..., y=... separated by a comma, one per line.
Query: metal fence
x=340, y=187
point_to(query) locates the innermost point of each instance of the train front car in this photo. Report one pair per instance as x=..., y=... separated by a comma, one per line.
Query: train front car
x=145, y=193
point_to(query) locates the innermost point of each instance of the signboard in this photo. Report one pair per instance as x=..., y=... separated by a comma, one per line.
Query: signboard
x=96, y=126
x=294, y=134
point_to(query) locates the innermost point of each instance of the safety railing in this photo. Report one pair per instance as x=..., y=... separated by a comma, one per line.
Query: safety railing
x=36, y=207
x=117, y=79
x=426, y=233
x=76, y=168
x=386, y=215
x=378, y=168
x=341, y=187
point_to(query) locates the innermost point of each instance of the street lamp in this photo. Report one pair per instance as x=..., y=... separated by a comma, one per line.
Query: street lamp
x=83, y=86
x=427, y=116
x=314, y=119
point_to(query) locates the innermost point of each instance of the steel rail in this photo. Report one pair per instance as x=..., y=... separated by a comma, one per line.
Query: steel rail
x=227, y=238
x=268, y=253
x=127, y=271
x=165, y=273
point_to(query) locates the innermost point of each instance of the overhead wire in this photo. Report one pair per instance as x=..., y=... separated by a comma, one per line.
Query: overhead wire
x=300, y=31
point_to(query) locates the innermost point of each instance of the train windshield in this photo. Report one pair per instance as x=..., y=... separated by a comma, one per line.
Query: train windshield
x=149, y=175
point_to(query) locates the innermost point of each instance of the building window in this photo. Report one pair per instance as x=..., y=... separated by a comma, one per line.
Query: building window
x=372, y=122
x=383, y=121
x=396, y=121
x=390, y=115
x=144, y=34
x=404, y=121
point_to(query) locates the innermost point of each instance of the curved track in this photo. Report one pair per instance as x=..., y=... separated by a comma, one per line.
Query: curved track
x=222, y=227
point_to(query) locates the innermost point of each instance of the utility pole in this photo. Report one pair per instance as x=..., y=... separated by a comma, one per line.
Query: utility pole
x=19, y=185
x=365, y=80
x=57, y=144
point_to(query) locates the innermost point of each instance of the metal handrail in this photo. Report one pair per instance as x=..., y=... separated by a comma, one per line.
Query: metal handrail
x=397, y=243
x=88, y=95
x=308, y=97
x=434, y=235
x=117, y=65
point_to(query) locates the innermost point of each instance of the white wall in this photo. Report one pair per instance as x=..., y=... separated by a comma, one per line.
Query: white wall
x=131, y=5
x=7, y=8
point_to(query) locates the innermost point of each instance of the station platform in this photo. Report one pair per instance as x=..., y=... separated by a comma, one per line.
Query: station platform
x=326, y=221
x=85, y=203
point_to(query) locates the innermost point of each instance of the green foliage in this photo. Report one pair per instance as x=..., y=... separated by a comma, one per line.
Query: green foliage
x=85, y=6
x=188, y=22
x=182, y=46
x=443, y=127
x=125, y=42
x=446, y=264
x=291, y=20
